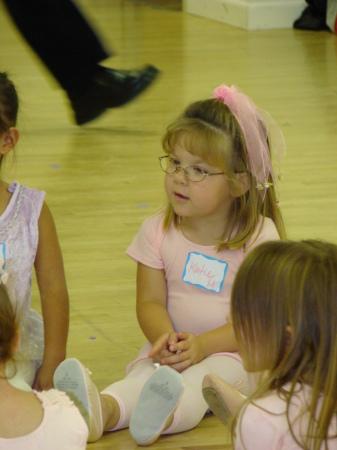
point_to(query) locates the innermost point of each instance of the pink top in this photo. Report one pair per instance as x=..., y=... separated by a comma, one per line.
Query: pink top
x=264, y=426
x=199, y=278
x=62, y=426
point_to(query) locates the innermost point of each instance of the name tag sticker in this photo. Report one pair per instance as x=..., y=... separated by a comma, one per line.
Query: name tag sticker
x=205, y=272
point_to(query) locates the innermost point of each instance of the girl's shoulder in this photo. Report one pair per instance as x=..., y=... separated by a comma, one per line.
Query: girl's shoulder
x=153, y=224
x=265, y=231
x=270, y=403
x=15, y=188
x=261, y=424
x=53, y=397
x=61, y=417
x=268, y=226
x=275, y=401
x=147, y=243
x=23, y=201
x=265, y=420
x=156, y=219
x=15, y=405
x=23, y=194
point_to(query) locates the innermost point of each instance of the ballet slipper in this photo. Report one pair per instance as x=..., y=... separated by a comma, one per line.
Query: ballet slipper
x=74, y=379
x=157, y=402
x=223, y=399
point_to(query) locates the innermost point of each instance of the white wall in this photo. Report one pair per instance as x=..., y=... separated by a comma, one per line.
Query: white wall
x=248, y=14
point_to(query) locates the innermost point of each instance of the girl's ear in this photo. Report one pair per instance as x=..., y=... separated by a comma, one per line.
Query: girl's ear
x=244, y=184
x=9, y=140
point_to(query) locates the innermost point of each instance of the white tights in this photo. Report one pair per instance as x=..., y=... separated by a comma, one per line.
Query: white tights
x=192, y=406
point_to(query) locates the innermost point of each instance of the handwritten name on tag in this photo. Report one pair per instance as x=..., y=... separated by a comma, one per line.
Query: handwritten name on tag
x=205, y=272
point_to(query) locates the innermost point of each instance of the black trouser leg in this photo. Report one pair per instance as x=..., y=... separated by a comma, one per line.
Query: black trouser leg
x=61, y=37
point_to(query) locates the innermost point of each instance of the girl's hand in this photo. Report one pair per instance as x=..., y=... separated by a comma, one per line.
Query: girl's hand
x=160, y=348
x=185, y=352
x=44, y=376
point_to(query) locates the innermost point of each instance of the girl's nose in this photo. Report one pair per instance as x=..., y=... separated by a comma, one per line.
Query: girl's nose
x=180, y=175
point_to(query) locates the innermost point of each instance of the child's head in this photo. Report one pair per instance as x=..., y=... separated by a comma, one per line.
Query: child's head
x=9, y=332
x=284, y=308
x=213, y=130
x=284, y=312
x=9, y=105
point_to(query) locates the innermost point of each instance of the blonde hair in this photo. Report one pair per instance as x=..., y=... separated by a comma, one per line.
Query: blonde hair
x=284, y=311
x=209, y=129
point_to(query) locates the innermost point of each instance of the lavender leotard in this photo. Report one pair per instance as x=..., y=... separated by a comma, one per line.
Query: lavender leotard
x=18, y=245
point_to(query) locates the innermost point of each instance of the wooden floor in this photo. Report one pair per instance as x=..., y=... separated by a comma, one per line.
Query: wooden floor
x=102, y=180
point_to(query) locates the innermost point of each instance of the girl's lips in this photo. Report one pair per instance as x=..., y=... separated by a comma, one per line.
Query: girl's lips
x=180, y=196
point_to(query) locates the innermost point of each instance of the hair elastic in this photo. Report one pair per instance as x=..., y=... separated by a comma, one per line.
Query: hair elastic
x=257, y=126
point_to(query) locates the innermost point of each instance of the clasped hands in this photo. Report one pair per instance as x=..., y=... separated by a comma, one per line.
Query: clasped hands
x=178, y=350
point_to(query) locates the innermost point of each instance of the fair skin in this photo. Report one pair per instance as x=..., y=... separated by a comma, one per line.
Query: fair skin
x=20, y=412
x=50, y=279
x=203, y=208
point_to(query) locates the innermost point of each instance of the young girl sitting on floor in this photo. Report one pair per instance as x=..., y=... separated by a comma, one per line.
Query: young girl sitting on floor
x=222, y=202
x=284, y=312
x=28, y=239
x=32, y=420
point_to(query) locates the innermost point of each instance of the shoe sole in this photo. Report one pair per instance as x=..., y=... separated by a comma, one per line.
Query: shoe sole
x=217, y=405
x=73, y=378
x=157, y=402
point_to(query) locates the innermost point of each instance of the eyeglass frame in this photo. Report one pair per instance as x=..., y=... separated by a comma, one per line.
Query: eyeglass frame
x=178, y=167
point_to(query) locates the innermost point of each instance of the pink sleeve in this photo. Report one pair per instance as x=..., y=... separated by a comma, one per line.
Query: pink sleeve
x=257, y=431
x=146, y=246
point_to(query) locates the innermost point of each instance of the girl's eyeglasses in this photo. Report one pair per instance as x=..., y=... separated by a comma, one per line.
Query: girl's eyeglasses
x=193, y=173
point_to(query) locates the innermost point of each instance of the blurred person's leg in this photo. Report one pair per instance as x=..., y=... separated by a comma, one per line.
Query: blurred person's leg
x=67, y=45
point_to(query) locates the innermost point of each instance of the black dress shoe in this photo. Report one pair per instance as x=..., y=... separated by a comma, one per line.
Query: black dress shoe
x=311, y=19
x=111, y=88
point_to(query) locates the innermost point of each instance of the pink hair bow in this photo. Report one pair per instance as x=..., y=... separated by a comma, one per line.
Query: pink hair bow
x=257, y=126
x=224, y=93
